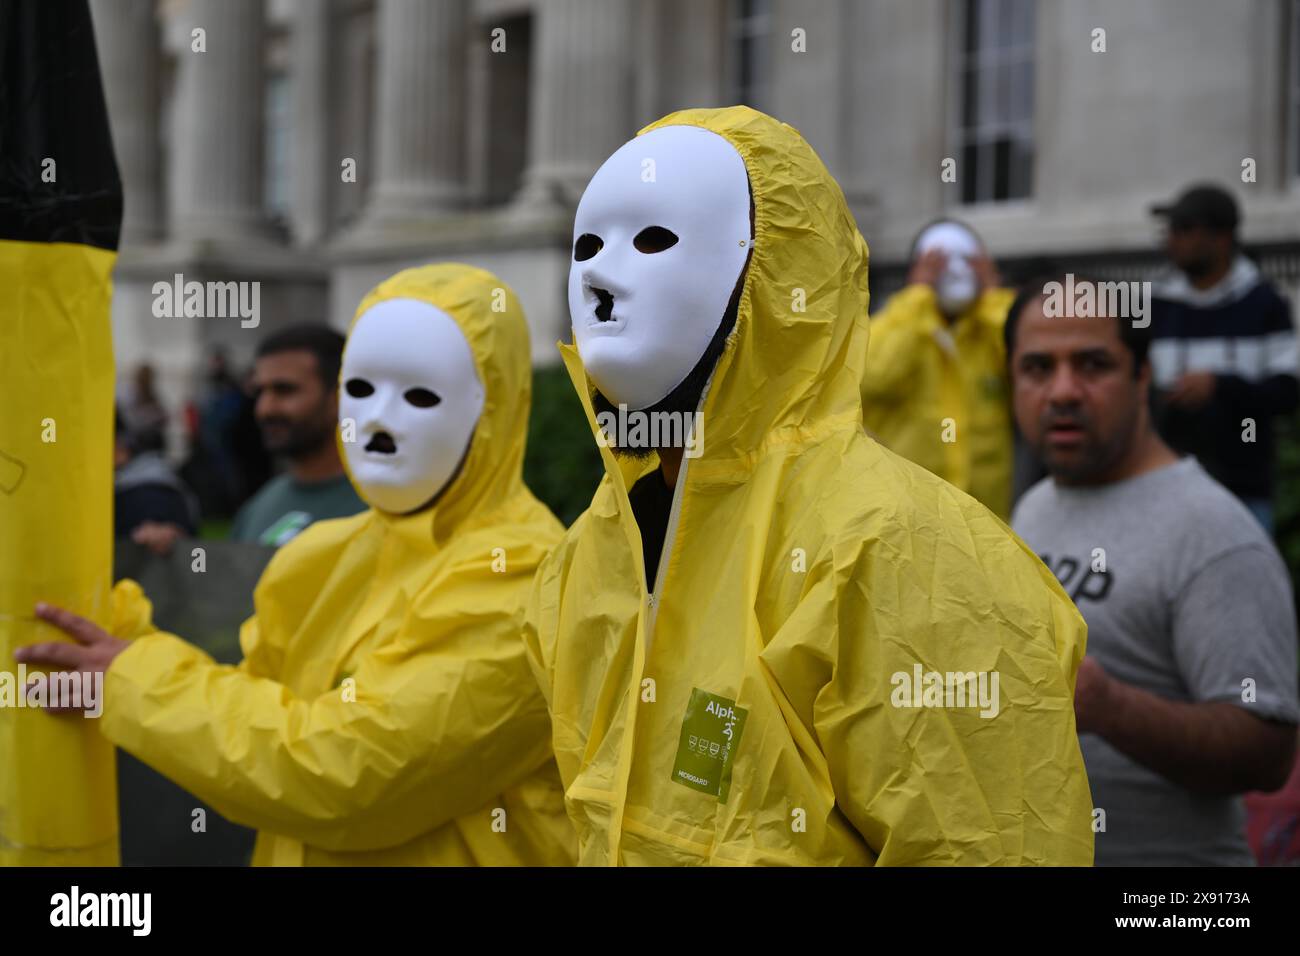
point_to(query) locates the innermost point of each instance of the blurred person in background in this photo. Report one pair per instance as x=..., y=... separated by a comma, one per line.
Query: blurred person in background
x=143, y=412
x=934, y=389
x=1224, y=349
x=1187, y=697
x=254, y=466
x=151, y=506
x=212, y=467
x=295, y=385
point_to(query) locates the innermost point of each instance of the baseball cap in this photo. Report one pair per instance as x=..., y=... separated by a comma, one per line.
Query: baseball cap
x=1201, y=205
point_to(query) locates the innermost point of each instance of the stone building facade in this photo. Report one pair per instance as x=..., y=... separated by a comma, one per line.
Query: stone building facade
x=316, y=146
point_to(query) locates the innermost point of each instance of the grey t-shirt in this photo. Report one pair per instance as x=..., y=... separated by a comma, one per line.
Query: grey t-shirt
x=1193, y=602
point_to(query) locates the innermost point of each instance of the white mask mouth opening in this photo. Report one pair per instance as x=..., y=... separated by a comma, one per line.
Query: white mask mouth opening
x=661, y=236
x=410, y=400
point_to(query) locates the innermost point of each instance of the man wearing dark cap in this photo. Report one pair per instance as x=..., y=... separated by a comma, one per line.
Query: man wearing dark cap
x=1224, y=349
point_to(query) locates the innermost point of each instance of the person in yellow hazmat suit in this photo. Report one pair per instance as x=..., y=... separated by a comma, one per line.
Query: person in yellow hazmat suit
x=935, y=385
x=384, y=712
x=769, y=640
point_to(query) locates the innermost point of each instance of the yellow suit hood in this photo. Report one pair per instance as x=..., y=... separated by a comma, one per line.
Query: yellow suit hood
x=747, y=710
x=792, y=365
x=384, y=712
x=491, y=319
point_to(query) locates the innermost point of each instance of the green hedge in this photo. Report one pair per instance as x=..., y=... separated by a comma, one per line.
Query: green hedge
x=562, y=464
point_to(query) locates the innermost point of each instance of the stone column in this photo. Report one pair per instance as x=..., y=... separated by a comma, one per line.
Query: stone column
x=583, y=74
x=128, y=44
x=419, y=110
x=218, y=123
x=311, y=162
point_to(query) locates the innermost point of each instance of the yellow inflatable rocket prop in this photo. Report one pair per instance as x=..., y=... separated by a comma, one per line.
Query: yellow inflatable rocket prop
x=60, y=211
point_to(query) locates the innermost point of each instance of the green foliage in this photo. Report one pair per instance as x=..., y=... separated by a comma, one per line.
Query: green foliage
x=562, y=465
x=215, y=529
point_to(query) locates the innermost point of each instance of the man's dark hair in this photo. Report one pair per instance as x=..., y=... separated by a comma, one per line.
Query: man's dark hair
x=1136, y=340
x=320, y=340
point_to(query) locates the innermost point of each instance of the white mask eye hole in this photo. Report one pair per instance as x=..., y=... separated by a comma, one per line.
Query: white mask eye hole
x=587, y=246
x=359, y=388
x=421, y=397
x=654, y=239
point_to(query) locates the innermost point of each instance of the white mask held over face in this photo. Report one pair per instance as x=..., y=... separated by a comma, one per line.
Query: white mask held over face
x=958, y=285
x=660, y=238
x=410, y=385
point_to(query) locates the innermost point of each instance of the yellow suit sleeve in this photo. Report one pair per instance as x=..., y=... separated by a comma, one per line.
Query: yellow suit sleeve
x=992, y=308
x=994, y=304
x=949, y=785
x=899, y=333
x=431, y=735
x=130, y=612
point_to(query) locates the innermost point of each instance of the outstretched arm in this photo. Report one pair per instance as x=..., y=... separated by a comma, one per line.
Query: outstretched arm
x=424, y=732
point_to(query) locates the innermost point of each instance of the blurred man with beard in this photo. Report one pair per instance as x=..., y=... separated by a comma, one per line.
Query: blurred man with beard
x=1187, y=696
x=295, y=382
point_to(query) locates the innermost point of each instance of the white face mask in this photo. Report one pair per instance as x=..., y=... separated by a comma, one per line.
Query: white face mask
x=410, y=385
x=660, y=238
x=958, y=286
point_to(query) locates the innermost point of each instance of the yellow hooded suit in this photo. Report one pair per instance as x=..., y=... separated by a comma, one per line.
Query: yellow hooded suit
x=749, y=711
x=923, y=374
x=384, y=712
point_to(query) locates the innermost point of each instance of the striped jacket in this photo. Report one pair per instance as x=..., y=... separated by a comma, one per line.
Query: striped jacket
x=1241, y=330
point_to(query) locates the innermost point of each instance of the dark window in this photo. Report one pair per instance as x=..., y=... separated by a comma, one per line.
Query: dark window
x=993, y=134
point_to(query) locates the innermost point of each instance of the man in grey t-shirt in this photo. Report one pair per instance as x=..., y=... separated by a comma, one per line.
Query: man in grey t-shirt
x=1188, y=695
